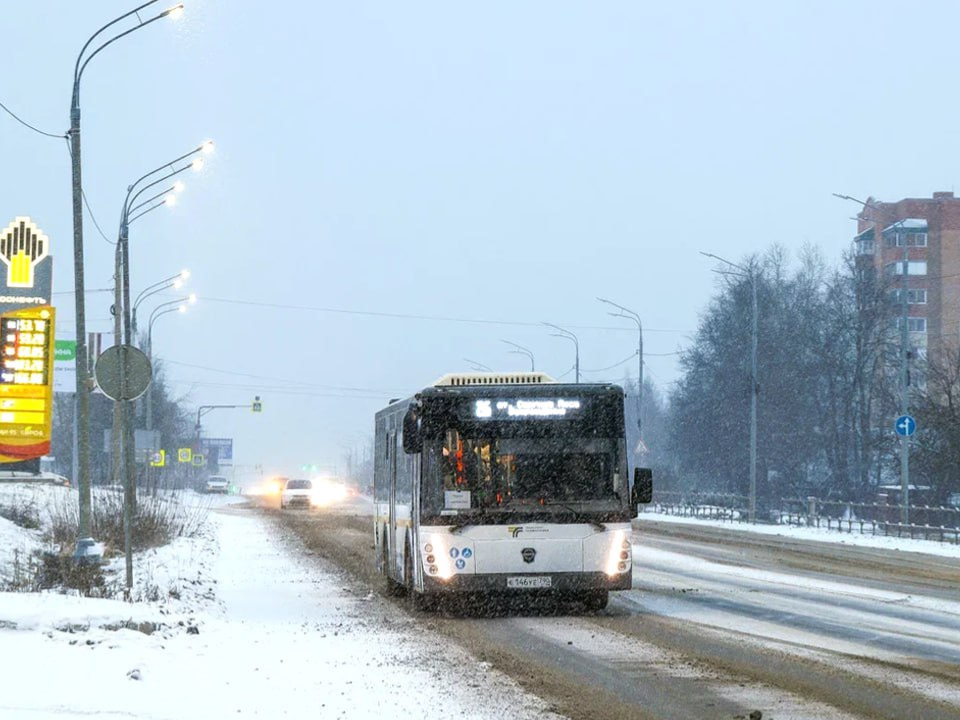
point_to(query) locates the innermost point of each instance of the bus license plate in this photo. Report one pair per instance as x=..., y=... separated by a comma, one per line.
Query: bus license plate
x=526, y=582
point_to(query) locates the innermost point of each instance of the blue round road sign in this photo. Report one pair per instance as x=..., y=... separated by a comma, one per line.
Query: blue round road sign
x=905, y=425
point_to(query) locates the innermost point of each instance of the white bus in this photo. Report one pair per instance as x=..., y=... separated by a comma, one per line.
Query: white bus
x=508, y=484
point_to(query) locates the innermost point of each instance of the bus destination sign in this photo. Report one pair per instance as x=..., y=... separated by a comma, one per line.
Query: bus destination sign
x=519, y=409
x=26, y=383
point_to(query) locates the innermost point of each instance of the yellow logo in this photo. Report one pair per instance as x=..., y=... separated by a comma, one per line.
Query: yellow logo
x=22, y=246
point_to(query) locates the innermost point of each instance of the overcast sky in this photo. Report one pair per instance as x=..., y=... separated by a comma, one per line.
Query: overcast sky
x=400, y=186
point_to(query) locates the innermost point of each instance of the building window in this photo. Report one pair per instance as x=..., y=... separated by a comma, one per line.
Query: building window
x=914, y=297
x=914, y=267
x=914, y=324
x=916, y=239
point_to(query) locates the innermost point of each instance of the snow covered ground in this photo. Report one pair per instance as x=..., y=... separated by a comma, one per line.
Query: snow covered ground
x=244, y=627
x=241, y=624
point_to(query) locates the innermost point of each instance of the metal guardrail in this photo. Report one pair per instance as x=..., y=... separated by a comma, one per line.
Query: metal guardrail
x=941, y=524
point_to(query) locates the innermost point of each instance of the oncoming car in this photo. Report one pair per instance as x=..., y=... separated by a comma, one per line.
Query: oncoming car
x=216, y=484
x=296, y=493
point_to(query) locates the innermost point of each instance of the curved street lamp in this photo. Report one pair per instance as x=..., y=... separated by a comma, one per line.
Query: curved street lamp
x=631, y=315
x=478, y=366
x=174, y=281
x=521, y=350
x=181, y=308
x=576, y=343
x=85, y=544
x=751, y=275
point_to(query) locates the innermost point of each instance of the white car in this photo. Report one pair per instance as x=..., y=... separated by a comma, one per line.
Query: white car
x=216, y=484
x=296, y=493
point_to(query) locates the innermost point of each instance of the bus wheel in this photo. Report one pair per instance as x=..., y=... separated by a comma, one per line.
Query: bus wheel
x=596, y=600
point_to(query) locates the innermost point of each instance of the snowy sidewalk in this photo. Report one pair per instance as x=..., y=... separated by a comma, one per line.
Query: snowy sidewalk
x=278, y=637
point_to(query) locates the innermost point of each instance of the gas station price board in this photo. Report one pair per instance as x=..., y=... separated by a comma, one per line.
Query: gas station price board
x=26, y=382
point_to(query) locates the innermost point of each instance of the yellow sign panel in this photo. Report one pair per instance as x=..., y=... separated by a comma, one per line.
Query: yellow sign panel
x=184, y=455
x=159, y=459
x=26, y=383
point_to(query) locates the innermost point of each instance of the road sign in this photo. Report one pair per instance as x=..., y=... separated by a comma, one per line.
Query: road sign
x=138, y=372
x=257, y=405
x=222, y=446
x=199, y=460
x=184, y=455
x=905, y=425
x=159, y=458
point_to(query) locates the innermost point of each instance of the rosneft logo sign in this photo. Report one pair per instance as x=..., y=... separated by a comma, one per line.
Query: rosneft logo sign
x=22, y=246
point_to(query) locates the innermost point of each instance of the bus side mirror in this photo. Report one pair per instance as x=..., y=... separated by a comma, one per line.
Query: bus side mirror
x=642, y=492
x=412, y=442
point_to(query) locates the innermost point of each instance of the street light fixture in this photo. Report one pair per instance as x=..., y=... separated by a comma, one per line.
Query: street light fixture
x=751, y=275
x=174, y=281
x=631, y=315
x=520, y=350
x=85, y=544
x=576, y=344
x=181, y=308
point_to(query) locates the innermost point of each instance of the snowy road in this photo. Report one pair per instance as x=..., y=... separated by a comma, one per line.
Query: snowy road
x=719, y=627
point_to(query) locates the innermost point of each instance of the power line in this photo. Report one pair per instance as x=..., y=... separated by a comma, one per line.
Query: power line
x=87, y=204
x=629, y=357
x=28, y=125
x=413, y=316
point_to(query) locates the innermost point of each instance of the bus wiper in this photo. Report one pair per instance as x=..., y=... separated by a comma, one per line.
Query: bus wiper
x=583, y=518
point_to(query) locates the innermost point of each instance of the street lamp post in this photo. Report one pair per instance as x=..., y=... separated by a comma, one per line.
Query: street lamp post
x=520, y=350
x=631, y=315
x=904, y=355
x=751, y=275
x=82, y=408
x=160, y=310
x=564, y=333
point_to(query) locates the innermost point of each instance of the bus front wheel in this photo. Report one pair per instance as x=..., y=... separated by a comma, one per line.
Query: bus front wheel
x=596, y=600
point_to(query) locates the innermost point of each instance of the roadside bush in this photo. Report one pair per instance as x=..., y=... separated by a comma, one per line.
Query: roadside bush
x=22, y=513
x=157, y=521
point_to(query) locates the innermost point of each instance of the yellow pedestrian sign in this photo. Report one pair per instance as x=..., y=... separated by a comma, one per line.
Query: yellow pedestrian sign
x=184, y=455
x=158, y=459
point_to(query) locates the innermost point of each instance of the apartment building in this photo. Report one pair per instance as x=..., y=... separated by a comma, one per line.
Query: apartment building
x=923, y=236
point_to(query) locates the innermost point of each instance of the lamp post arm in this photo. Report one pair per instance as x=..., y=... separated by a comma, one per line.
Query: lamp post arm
x=76, y=68
x=144, y=212
x=149, y=200
x=157, y=286
x=109, y=42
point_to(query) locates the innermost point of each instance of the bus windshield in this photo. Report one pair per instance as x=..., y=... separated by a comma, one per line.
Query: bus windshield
x=466, y=474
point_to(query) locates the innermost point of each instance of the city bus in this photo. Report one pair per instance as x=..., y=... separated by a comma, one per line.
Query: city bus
x=508, y=485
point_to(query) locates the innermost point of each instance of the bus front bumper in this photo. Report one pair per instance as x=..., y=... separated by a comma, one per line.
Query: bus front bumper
x=526, y=583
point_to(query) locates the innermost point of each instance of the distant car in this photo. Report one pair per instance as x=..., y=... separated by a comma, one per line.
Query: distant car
x=216, y=484
x=296, y=493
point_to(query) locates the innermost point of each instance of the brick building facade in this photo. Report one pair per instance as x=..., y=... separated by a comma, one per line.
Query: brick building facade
x=923, y=234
